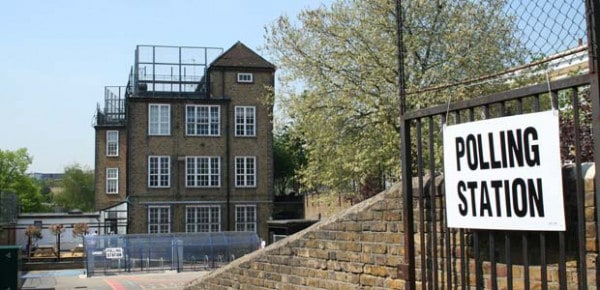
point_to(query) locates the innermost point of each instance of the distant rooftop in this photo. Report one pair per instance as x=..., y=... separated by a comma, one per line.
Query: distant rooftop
x=46, y=176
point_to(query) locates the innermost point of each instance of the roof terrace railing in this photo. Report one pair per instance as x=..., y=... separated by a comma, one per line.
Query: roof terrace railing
x=171, y=69
x=113, y=112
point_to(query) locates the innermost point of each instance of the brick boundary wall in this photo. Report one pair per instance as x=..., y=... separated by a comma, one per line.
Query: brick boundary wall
x=361, y=248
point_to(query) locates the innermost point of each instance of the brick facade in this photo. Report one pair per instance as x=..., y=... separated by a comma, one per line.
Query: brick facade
x=102, y=199
x=226, y=93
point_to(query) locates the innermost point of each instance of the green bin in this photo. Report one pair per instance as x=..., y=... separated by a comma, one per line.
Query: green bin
x=9, y=267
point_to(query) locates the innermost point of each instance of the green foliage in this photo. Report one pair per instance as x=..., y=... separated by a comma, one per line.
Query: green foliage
x=77, y=189
x=288, y=158
x=13, y=165
x=29, y=194
x=346, y=58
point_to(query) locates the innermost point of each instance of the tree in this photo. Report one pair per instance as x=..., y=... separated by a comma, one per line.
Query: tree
x=346, y=57
x=57, y=230
x=77, y=189
x=33, y=234
x=13, y=165
x=288, y=158
x=80, y=230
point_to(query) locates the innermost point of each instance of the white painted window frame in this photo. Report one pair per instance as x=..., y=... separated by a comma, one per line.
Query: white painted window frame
x=245, y=121
x=242, y=221
x=158, y=223
x=112, y=180
x=196, y=224
x=245, y=78
x=193, y=172
x=193, y=123
x=245, y=174
x=112, y=143
x=159, y=174
x=159, y=119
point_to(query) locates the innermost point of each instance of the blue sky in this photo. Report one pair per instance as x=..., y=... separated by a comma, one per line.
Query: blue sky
x=57, y=56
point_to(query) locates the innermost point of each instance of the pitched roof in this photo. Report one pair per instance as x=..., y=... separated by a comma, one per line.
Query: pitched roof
x=239, y=55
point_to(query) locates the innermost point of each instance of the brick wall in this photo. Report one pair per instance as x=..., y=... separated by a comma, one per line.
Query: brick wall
x=103, y=200
x=362, y=247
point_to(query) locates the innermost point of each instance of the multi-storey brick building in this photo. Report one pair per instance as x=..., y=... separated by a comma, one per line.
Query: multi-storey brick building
x=187, y=144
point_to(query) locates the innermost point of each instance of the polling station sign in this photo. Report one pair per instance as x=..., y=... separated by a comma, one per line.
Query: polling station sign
x=504, y=173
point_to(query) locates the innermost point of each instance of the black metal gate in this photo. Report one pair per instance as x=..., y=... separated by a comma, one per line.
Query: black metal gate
x=439, y=257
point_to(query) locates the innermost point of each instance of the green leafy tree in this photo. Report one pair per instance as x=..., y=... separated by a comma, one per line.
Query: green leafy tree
x=288, y=157
x=345, y=56
x=13, y=165
x=29, y=193
x=77, y=189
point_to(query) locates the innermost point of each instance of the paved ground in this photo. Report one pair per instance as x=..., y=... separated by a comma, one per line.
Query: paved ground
x=75, y=279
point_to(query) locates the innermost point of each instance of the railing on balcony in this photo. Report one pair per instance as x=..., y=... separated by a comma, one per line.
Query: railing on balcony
x=113, y=112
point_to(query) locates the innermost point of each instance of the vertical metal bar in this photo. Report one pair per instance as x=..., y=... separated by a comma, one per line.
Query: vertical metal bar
x=407, y=270
x=509, y=277
x=446, y=231
x=179, y=76
x=536, y=103
x=478, y=268
x=457, y=117
x=582, y=273
x=460, y=247
x=454, y=258
x=448, y=234
x=473, y=234
x=544, y=270
x=464, y=259
x=153, y=69
x=136, y=71
x=593, y=35
x=422, y=221
x=492, y=249
x=433, y=210
x=525, y=247
x=486, y=111
x=562, y=261
x=554, y=98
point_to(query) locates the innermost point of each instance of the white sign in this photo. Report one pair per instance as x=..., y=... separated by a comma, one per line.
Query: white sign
x=504, y=174
x=113, y=253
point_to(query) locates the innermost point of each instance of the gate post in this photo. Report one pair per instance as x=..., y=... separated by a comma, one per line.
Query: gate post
x=593, y=33
x=406, y=270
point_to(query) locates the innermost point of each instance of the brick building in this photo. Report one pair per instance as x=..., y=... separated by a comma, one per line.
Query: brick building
x=187, y=144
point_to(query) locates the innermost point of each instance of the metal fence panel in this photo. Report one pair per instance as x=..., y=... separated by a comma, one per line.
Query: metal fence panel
x=159, y=252
x=549, y=61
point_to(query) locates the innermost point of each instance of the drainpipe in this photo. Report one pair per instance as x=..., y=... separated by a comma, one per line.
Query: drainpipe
x=227, y=154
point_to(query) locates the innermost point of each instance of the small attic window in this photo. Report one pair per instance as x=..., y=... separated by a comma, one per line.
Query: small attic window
x=245, y=78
